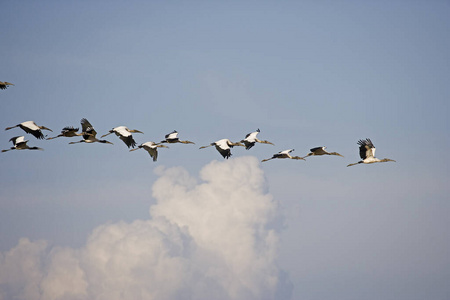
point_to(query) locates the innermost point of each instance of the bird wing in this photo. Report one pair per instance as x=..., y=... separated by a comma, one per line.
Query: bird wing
x=248, y=144
x=151, y=149
x=172, y=135
x=317, y=150
x=226, y=153
x=32, y=128
x=87, y=128
x=223, y=144
x=17, y=139
x=128, y=140
x=69, y=129
x=366, y=149
x=286, y=151
x=153, y=153
x=122, y=130
x=251, y=136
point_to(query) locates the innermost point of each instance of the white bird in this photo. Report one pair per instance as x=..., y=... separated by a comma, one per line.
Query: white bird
x=151, y=148
x=251, y=139
x=124, y=134
x=89, y=134
x=321, y=151
x=68, y=131
x=367, y=153
x=20, y=144
x=4, y=85
x=31, y=127
x=224, y=147
x=283, y=154
x=173, y=138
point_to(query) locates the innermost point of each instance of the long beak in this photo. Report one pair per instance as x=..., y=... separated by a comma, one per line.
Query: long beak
x=135, y=149
x=162, y=146
x=43, y=127
x=205, y=146
x=105, y=134
x=137, y=131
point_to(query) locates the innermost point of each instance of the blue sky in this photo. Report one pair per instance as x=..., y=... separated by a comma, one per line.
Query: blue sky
x=306, y=73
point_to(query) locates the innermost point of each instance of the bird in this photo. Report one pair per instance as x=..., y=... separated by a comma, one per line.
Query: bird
x=20, y=144
x=224, y=147
x=68, y=131
x=283, y=154
x=31, y=127
x=4, y=85
x=321, y=151
x=151, y=148
x=367, y=153
x=124, y=134
x=89, y=134
x=173, y=138
x=251, y=139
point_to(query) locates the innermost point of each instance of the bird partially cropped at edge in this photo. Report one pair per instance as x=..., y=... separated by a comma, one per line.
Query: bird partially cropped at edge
x=89, y=134
x=20, y=144
x=224, y=147
x=173, y=138
x=317, y=151
x=151, y=148
x=124, y=134
x=68, y=131
x=32, y=128
x=251, y=139
x=367, y=153
x=283, y=154
x=5, y=85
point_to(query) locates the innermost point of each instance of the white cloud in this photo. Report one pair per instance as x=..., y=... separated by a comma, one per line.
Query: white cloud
x=215, y=239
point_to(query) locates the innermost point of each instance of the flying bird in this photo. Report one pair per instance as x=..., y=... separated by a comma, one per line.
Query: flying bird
x=251, y=139
x=4, y=85
x=283, y=154
x=31, y=127
x=124, y=134
x=173, y=138
x=20, y=144
x=224, y=147
x=151, y=148
x=367, y=153
x=67, y=132
x=321, y=151
x=89, y=134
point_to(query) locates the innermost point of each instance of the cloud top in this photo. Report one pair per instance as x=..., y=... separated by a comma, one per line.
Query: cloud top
x=214, y=238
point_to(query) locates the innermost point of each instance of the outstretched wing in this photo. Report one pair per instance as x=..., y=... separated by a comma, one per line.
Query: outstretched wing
x=88, y=128
x=172, y=136
x=366, y=149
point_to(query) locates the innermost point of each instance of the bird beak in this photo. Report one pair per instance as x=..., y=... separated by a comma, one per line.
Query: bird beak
x=134, y=149
x=43, y=127
x=137, y=131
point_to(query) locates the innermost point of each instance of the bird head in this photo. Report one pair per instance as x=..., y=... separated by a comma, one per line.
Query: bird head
x=135, y=130
x=43, y=127
x=387, y=159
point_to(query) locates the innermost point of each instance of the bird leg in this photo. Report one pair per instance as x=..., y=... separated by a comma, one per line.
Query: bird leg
x=107, y=134
x=297, y=157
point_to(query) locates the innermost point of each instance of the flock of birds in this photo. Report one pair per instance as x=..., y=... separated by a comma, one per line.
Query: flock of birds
x=223, y=146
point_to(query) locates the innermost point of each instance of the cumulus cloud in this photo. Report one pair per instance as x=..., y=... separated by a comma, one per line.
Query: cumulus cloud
x=210, y=238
